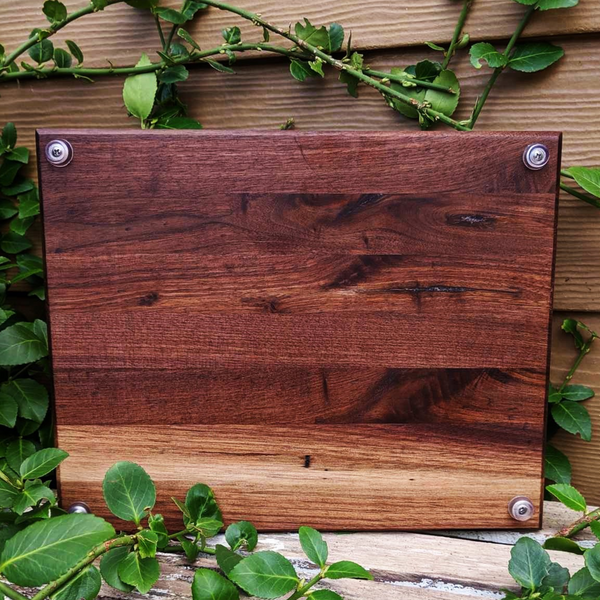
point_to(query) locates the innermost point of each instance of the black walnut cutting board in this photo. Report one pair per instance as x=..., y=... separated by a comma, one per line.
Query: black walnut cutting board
x=346, y=330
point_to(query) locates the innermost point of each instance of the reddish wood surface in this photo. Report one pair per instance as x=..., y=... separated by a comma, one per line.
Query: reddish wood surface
x=357, y=312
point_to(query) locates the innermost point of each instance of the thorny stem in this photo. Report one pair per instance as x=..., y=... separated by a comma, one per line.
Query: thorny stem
x=92, y=555
x=302, y=591
x=403, y=78
x=51, y=30
x=497, y=72
x=464, y=13
x=579, y=525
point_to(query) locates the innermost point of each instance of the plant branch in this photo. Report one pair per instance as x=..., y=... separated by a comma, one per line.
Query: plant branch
x=407, y=78
x=51, y=30
x=11, y=593
x=464, y=13
x=160, y=33
x=302, y=591
x=91, y=556
x=583, y=351
x=579, y=525
x=580, y=195
x=497, y=72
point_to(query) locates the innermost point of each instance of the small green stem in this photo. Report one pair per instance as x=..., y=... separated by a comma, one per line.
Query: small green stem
x=579, y=525
x=160, y=33
x=407, y=78
x=457, y=32
x=302, y=591
x=92, y=555
x=497, y=72
x=52, y=29
x=11, y=593
x=172, y=536
x=584, y=350
x=566, y=173
x=177, y=549
x=580, y=195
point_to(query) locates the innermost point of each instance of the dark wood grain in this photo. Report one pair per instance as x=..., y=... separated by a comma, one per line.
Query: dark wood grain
x=361, y=309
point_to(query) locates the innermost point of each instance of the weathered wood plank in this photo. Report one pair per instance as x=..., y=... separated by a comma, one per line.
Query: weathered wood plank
x=121, y=33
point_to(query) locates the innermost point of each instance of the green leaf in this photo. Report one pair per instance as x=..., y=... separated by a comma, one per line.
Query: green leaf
x=232, y=35
x=265, y=575
x=17, y=451
x=592, y=561
x=41, y=463
x=42, y=51
x=23, y=186
x=201, y=507
x=324, y=595
x=20, y=155
x=242, y=535
x=29, y=204
x=208, y=585
x=171, y=15
x=300, y=70
x=557, y=578
x=128, y=492
x=31, y=397
x=486, y=52
x=109, y=567
x=440, y=101
x=310, y=34
x=568, y=495
x=46, y=549
x=571, y=416
x=13, y=243
x=174, y=74
x=533, y=57
x=20, y=227
x=84, y=586
x=572, y=326
x=217, y=66
x=190, y=548
x=183, y=34
x=8, y=171
x=147, y=543
x=577, y=393
x=191, y=7
x=142, y=4
x=139, y=91
x=427, y=70
x=563, y=544
x=55, y=11
x=558, y=466
x=529, y=563
x=8, y=410
x=62, y=59
x=314, y=546
x=226, y=559
x=582, y=584
x=336, y=37
x=8, y=494
x=179, y=123
x=7, y=209
x=551, y=4
x=435, y=47
x=75, y=50
x=157, y=524
x=554, y=396
x=9, y=136
x=142, y=573
x=31, y=495
x=346, y=569
x=595, y=527
x=588, y=179
x=99, y=4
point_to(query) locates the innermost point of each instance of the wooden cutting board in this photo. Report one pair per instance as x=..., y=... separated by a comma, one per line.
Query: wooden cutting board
x=347, y=330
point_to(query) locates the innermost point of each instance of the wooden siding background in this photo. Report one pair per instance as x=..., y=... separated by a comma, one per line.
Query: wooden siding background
x=262, y=94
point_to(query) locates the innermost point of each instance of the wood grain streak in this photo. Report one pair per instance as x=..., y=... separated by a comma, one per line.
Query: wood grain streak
x=329, y=314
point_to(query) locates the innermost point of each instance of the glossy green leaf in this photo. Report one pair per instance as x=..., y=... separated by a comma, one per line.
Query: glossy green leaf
x=8, y=171
x=300, y=70
x=31, y=495
x=568, y=495
x=30, y=396
x=572, y=326
x=552, y=4
x=139, y=91
x=558, y=466
x=441, y=101
x=8, y=494
x=554, y=396
x=62, y=58
x=9, y=136
x=157, y=524
x=592, y=561
x=84, y=586
x=174, y=74
x=232, y=35
x=587, y=178
x=17, y=451
x=13, y=243
x=20, y=154
x=191, y=7
x=529, y=563
x=572, y=417
x=8, y=410
x=484, y=51
x=7, y=209
x=179, y=123
x=595, y=527
x=217, y=66
x=42, y=51
x=563, y=544
x=142, y=573
x=577, y=393
x=535, y=56
x=20, y=227
x=226, y=558
x=201, y=506
x=325, y=595
x=584, y=586
x=208, y=585
x=314, y=546
x=190, y=548
x=310, y=34
x=142, y=4
x=128, y=491
x=46, y=549
x=41, y=463
x=75, y=50
x=183, y=34
x=171, y=15
x=55, y=11
x=346, y=569
x=147, y=543
x=336, y=37
x=109, y=567
x=557, y=578
x=242, y=535
x=265, y=575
